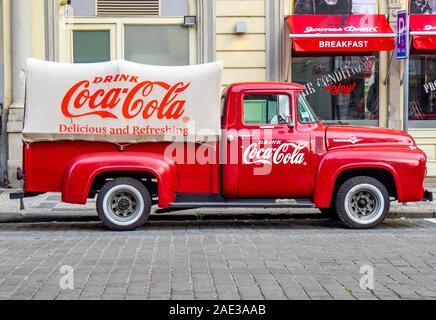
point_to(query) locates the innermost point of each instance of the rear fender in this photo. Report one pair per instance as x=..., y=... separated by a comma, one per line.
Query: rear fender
x=82, y=170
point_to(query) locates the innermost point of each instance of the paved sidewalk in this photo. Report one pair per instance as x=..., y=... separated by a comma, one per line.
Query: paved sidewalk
x=54, y=250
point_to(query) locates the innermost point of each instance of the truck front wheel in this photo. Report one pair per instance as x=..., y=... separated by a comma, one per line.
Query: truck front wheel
x=123, y=204
x=362, y=202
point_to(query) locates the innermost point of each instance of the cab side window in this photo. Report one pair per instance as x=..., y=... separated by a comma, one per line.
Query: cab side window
x=266, y=109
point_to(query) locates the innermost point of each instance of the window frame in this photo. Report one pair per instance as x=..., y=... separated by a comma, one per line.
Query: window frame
x=297, y=109
x=90, y=27
x=258, y=125
x=116, y=28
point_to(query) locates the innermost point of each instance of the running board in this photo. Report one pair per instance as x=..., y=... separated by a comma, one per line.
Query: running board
x=246, y=203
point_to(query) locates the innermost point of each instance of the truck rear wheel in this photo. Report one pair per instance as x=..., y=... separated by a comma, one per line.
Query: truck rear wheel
x=362, y=202
x=123, y=204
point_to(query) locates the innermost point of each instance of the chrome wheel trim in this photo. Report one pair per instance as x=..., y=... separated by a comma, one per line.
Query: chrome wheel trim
x=123, y=205
x=364, y=203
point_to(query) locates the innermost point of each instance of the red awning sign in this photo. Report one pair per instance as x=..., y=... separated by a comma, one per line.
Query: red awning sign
x=340, y=33
x=423, y=30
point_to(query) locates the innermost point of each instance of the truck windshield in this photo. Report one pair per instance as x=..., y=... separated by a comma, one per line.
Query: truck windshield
x=305, y=112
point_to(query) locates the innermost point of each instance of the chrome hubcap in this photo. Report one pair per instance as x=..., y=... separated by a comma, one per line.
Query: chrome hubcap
x=123, y=204
x=364, y=203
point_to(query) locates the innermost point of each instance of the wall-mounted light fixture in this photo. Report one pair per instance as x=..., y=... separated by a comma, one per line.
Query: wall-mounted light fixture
x=241, y=27
x=189, y=21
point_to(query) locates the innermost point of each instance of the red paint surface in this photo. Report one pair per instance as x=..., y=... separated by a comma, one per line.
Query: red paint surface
x=81, y=171
x=348, y=25
x=69, y=167
x=423, y=23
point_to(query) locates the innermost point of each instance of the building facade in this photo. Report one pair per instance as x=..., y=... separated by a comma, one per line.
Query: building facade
x=357, y=82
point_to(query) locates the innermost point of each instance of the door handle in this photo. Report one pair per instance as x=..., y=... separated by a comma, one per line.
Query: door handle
x=245, y=136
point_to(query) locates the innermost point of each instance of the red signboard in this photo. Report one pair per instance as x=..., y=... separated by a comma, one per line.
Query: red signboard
x=423, y=30
x=341, y=33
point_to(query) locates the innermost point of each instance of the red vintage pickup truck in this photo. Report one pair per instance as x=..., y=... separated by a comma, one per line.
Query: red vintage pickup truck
x=272, y=152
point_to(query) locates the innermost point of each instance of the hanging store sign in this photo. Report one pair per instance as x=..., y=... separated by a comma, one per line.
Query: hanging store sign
x=423, y=31
x=340, y=33
x=402, y=43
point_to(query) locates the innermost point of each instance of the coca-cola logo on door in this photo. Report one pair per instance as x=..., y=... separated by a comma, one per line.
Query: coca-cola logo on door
x=130, y=99
x=274, y=153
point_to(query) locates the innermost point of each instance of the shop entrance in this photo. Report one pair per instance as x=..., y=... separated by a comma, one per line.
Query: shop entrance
x=335, y=54
x=341, y=89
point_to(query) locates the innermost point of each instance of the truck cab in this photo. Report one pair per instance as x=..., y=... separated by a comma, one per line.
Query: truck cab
x=273, y=140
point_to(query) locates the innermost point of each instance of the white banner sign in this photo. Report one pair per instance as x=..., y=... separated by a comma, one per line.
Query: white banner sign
x=121, y=101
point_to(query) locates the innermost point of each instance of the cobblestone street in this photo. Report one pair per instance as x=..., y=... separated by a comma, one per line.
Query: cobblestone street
x=206, y=254
x=209, y=259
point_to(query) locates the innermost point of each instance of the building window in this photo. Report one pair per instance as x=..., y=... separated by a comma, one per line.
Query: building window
x=142, y=31
x=422, y=75
x=422, y=6
x=422, y=84
x=91, y=46
x=340, y=89
x=335, y=6
x=157, y=44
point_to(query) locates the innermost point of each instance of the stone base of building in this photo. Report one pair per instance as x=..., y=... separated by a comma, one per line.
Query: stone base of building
x=15, y=144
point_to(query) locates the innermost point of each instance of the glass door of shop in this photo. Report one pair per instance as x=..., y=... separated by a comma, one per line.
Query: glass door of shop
x=341, y=90
x=422, y=92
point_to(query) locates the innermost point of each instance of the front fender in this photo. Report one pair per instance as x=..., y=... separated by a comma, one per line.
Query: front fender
x=82, y=170
x=406, y=166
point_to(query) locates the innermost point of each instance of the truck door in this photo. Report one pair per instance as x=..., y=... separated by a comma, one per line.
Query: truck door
x=274, y=156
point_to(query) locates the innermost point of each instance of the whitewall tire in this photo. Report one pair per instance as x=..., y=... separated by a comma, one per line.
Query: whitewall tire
x=123, y=204
x=362, y=202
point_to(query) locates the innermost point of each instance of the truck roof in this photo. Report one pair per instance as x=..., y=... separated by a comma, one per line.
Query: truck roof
x=236, y=87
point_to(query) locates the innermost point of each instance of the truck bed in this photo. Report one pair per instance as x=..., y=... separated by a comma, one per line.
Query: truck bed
x=45, y=163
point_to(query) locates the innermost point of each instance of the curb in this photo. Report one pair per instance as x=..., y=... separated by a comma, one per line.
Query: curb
x=412, y=215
